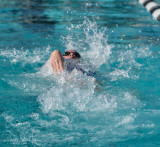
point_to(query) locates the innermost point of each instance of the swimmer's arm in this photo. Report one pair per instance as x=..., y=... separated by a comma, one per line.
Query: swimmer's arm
x=56, y=61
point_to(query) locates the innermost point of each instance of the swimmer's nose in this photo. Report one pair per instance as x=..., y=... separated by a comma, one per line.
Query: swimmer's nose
x=71, y=55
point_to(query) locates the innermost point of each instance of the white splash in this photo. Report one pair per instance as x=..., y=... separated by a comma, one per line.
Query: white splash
x=90, y=40
x=24, y=56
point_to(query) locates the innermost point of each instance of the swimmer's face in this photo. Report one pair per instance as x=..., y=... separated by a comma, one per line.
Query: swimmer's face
x=71, y=54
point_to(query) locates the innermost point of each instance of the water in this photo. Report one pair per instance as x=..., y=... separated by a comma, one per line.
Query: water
x=118, y=39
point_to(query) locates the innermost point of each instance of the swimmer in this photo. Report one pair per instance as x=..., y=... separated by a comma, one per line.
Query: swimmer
x=57, y=59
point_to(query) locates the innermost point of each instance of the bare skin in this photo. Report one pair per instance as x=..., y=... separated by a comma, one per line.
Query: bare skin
x=56, y=60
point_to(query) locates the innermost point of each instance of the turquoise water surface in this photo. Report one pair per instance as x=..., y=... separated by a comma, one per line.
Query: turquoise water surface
x=118, y=39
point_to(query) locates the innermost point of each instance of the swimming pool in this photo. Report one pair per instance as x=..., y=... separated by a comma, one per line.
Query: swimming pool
x=120, y=39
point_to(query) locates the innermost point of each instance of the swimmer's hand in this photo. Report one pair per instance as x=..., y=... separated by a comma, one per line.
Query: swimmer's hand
x=56, y=61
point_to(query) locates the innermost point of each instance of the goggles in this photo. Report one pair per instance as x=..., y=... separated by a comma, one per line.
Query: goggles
x=76, y=54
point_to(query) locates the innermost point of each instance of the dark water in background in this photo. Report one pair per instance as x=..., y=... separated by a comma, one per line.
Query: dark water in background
x=119, y=38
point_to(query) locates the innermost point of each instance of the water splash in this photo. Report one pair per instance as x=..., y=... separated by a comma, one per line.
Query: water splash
x=90, y=41
x=72, y=108
x=127, y=63
x=25, y=56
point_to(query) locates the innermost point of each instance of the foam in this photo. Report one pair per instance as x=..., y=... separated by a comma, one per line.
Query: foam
x=94, y=43
x=24, y=56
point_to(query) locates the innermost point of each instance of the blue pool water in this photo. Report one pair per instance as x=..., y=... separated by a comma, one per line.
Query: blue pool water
x=118, y=38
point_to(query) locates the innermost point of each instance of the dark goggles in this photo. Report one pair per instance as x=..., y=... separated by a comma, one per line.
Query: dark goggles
x=76, y=54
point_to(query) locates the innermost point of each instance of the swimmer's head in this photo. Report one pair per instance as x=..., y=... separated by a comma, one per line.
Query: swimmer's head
x=71, y=54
